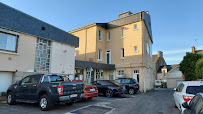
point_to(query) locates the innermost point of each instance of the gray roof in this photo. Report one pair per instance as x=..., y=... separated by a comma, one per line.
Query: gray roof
x=168, y=67
x=18, y=21
x=95, y=65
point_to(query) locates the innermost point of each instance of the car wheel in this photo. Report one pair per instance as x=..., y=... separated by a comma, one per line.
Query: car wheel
x=131, y=91
x=70, y=103
x=11, y=98
x=45, y=103
x=89, y=98
x=109, y=93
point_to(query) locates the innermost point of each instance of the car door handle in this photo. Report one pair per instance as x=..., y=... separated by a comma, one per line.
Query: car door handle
x=34, y=85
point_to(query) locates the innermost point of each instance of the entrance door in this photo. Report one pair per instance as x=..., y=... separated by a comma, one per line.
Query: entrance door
x=108, y=56
x=136, y=75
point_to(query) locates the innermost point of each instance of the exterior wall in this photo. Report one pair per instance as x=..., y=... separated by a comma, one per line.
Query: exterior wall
x=26, y=54
x=172, y=82
x=176, y=73
x=87, y=44
x=62, y=58
x=101, y=44
x=160, y=76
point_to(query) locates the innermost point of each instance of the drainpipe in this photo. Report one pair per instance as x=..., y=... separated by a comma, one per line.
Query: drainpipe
x=85, y=44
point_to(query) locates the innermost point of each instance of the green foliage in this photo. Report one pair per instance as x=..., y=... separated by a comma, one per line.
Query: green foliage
x=3, y=93
x=188, y=65
x=199, y=68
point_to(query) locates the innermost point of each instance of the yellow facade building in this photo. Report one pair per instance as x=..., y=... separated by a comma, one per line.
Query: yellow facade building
x=125, y=42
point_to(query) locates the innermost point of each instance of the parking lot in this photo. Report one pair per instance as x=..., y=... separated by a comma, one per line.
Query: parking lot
x=155, y=102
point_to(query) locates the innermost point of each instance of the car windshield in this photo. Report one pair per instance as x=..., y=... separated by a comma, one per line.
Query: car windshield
x=194, y=89
x=56, y=78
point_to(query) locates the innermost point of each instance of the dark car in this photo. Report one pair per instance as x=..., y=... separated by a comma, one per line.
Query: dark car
x=109, y=88
x=45, y=89
x=131, y=85
x=195, y=106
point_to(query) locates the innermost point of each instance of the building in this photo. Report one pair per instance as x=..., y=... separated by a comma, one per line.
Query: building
x=29, y=46
x=196, y=51
x=174, y=77
x=125, y=42
x=158, y=61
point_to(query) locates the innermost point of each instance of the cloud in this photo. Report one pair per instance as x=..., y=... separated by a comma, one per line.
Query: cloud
x=175, y=59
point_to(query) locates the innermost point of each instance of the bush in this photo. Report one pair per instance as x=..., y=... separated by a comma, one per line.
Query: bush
x=188, y=66
x=3, y=93
x=199, y=68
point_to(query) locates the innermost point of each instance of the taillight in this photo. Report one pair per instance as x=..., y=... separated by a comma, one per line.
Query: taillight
x=119, y=87
x=60, y=89
x=187, y=98
x=135, y=84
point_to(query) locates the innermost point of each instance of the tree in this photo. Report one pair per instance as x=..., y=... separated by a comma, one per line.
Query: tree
x=199, y=68
x=188, y=65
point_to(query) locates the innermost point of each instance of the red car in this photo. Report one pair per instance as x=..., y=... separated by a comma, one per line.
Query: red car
x=90, y=91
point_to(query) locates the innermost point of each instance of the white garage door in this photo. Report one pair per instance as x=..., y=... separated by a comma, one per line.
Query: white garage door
x=5, y=81
x=178, y=82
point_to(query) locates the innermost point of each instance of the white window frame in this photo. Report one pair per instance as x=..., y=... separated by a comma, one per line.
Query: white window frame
x=108, y=51
x=100, y=35
x=122, y=30
x=150, y=48
x=147, y=47
x=108, y=36
x=99, y=56
x=16, y=43
x=120, y=72
x=122, y=53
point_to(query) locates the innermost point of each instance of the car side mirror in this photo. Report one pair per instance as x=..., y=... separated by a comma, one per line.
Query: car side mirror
x=174, y=89
x=185, y=105
x=17, y=82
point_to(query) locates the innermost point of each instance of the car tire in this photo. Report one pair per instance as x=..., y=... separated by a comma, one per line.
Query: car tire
x=109, y=93
x=90, y=98
x=11, y=98
x=44, y=103
x=70, y=103
x=131, y=91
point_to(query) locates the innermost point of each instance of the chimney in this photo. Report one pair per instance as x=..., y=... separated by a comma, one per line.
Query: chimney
x=193, y=49
x=147, y=12
x=159, y=54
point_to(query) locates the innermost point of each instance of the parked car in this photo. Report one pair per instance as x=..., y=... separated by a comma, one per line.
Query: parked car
x=131, y=85
x=185, y=92
x=90, y=91
x=45, y=89
x=195, y=106
x=109, y=88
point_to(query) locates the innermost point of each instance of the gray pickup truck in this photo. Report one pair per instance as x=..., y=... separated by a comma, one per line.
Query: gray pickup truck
x=45, y=89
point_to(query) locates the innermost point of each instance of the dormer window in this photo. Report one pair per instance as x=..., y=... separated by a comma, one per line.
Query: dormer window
x=164, y=73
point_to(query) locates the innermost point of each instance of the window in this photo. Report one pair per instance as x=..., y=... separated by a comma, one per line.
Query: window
x=164, y=73
x=147, y=47
x=35, y=79
x=125, y=81
x=123, y=32
x=108, y=36
x=135, y=27
x=46, y=79
x=121, y=72
x=26, y=80
x=118, y=80
x=56, y=78
x=194, y=89
x=99, y=54
x=100, y=35
x=150, y=48
x=135, y=49
x=122, y=53
x=8, y=42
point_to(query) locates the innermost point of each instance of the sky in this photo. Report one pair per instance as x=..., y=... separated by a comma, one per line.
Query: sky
x=176, y=24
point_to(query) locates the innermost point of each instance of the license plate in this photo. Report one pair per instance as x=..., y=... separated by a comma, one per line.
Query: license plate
x=74, y=95
x=92, y=89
